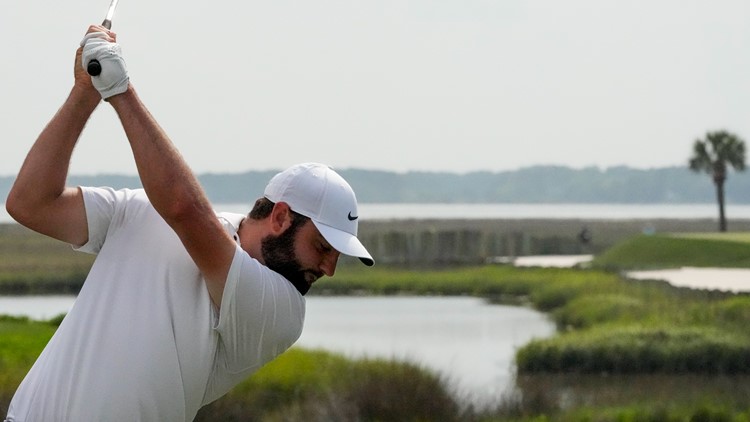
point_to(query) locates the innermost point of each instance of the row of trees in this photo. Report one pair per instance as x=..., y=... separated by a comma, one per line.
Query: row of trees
x=714, y=155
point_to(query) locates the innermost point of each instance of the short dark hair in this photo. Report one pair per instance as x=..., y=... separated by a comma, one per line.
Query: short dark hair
x=263, y=207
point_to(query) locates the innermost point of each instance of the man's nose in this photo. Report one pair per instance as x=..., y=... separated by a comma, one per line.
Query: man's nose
x=329, y=262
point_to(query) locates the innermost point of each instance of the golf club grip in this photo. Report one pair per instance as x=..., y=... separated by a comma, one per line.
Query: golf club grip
x=94, y=68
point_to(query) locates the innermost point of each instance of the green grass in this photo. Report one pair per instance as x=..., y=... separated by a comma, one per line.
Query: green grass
x=317, y=385
x=21, y=341
x=672, y=251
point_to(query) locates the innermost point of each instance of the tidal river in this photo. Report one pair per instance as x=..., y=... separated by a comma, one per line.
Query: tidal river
x=470, y=342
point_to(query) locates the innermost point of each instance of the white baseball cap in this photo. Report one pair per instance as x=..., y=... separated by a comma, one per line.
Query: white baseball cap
x=319, y=193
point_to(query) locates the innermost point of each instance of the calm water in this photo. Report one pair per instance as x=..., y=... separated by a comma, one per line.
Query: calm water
x=469, y=341
x=36, y=307
x=734, y=280
x=553, y=211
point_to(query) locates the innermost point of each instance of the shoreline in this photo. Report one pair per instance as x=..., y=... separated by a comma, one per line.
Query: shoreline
x=604, y=232
x=426, y=243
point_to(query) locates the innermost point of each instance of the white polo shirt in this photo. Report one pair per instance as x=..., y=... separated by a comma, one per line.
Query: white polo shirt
x=143, y=341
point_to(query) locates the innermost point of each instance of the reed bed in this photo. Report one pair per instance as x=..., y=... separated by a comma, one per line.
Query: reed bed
x=320, y=386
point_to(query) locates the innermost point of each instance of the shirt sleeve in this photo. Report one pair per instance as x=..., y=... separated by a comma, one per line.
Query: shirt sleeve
x=261, y=315
x=100, y=204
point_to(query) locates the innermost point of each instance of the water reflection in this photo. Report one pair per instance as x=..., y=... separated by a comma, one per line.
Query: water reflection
x=565, y=391
x=36, y=307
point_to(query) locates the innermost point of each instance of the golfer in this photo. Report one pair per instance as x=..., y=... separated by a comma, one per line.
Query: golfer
x=181, y=303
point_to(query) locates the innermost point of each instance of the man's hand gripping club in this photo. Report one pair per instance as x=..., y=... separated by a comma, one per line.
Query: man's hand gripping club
x=101, y=44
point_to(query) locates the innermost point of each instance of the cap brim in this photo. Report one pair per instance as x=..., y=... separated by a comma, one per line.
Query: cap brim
x=344, y=242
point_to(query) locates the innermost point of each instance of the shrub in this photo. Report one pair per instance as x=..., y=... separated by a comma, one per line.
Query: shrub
x=319, y=386
x=616, y=349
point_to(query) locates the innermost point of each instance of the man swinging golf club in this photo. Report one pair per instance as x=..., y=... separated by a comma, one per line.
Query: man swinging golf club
x=181, y=303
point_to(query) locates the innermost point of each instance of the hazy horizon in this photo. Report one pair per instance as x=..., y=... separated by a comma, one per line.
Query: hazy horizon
x=106, y=173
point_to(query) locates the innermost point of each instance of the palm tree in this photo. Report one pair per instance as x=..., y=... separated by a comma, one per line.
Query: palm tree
x=713, y=156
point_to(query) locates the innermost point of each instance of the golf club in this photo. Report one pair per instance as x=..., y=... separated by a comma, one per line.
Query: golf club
x=93, y=67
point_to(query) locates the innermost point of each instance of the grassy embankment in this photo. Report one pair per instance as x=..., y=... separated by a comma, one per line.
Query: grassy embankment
x=34, y=264
x=607, y=325
x=648, y=327
x=726, y=250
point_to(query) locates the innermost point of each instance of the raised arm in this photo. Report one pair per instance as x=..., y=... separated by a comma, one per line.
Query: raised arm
x=175, y=192
x=39, y=198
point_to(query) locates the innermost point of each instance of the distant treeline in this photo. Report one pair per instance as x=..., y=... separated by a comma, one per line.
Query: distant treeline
x=538, y=184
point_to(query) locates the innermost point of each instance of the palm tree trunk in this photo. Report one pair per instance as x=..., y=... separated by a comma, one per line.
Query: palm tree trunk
x=720, y=198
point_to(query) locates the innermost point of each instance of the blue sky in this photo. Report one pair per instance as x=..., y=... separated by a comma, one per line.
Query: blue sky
x=392, y=84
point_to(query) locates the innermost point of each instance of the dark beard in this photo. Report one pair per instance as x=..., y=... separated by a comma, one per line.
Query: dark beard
x=278, y=254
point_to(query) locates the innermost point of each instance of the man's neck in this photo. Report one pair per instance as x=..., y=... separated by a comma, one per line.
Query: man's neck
x=251, y=232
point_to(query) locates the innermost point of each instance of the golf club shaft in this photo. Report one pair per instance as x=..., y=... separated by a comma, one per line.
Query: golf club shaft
x=94, y=68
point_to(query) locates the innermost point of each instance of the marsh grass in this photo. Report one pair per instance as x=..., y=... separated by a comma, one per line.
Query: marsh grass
x=32, y=263
x=640, y=350
x=608, y=326
x=319, y=386
x=654, y=397
x=546, y=288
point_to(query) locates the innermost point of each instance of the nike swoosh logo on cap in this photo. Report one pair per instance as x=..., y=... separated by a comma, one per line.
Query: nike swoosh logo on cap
x=350, y=217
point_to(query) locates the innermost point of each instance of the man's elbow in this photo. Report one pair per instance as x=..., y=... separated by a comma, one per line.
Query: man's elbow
x=16, y=207
x=178, y=212
x=10, y=208
x=24, y=207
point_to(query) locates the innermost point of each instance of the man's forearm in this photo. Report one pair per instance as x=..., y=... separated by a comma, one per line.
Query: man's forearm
x=170, y=184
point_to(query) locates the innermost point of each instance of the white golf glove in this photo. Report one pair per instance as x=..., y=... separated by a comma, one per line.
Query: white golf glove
x=114, y=78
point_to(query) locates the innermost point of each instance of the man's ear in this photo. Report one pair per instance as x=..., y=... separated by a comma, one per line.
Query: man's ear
x=280, y=218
